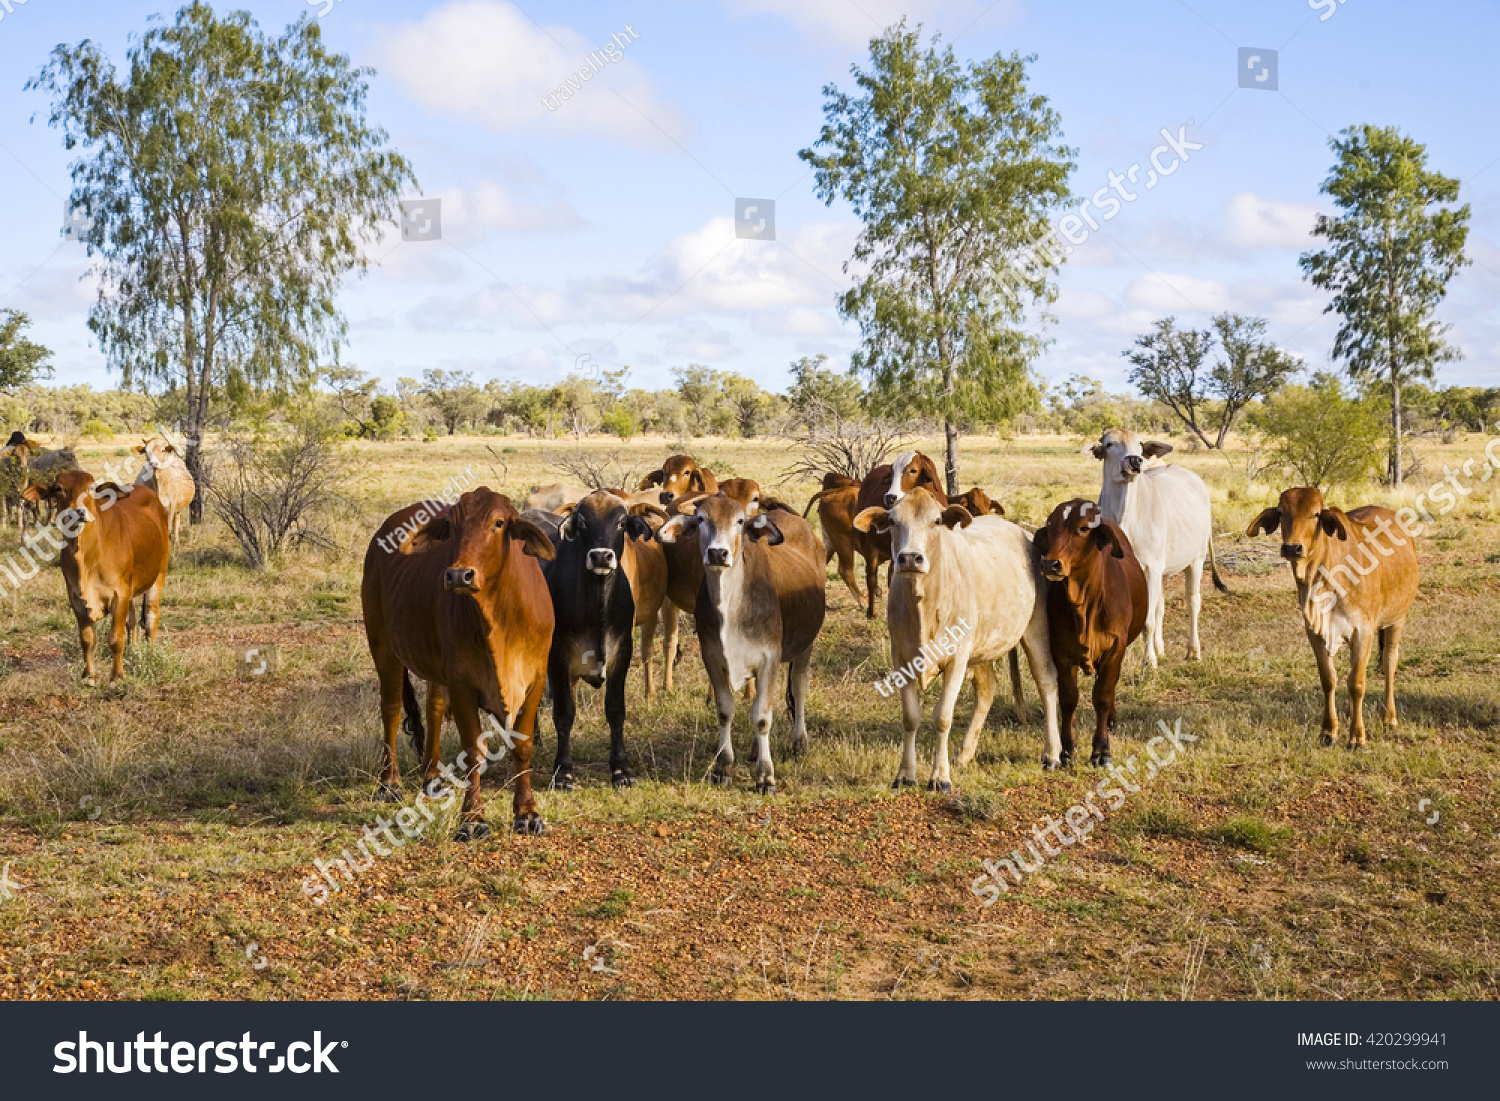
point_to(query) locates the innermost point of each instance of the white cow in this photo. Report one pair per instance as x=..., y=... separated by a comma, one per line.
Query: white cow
x=1166, y=512
x=168, y=476
x=963, y=594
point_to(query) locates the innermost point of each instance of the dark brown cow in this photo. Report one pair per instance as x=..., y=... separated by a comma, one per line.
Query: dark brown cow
x=1360, y=605
x=978, y=502
x=681, y=474
x=1096, y=606
x=461, y=603
x=115, y=550
x=883, y=487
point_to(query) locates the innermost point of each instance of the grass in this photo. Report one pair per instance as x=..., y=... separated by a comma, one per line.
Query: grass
x=160, y=827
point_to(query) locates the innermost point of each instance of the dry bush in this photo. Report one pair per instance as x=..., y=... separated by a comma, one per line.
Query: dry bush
x=831, y=441
x=595, y=469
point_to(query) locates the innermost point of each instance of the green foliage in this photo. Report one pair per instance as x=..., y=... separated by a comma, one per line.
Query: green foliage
x=817, y=391
x=96, y=429
x=1325, y=438
x=453, y=394
x=951, y=170
x=621, y=422
x=22, y=361
x=1392, y=249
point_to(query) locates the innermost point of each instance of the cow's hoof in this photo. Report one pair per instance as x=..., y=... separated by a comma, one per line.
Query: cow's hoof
x=434, y=788
x=530, y=824
x=1100, y=760
x=1065, y=761
x=902, y=782
x=388, y=793
x=720, y=779
x=939, y=785
x=1049, y=765
x=765, y=787
x=562, y=781
x=90, y=682
x=1326, y=739
x=621, y=778
x=472, y=831
x=798, y=748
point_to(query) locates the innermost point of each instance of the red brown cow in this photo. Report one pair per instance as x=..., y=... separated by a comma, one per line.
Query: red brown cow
x=979, y=503
x=837, y=503
x=115, y=550
x=883, y=487
x=1351, y=587
x=681, y=474
x=462, y=604
x=1096, y=606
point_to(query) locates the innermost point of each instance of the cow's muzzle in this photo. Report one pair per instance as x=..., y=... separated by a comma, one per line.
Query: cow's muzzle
x=891, y=499
x=602, y=561
x=1052, y=567
x=911, y=562
x=716, y=558
x=1291, y=551
x=460, y=580
x=1131, y=465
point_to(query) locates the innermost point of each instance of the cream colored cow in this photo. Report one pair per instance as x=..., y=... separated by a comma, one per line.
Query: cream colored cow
x=167, y=474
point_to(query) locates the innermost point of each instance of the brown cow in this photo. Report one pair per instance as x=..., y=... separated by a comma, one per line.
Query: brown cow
x=115, y=551
x=1096, y=606
x=1369, y=602
x=978, y=503
x=837, y=505
x=883, y=487
x=681, y=474
x=462, y=604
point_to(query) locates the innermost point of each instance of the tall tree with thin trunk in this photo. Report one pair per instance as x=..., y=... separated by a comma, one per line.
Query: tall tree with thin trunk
x=1392, y=249
x=953, y=170
x=1166, y=365
x=231, y=182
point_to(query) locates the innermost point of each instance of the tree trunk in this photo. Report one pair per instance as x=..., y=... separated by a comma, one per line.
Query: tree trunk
x=950, y=435
x=1395, y=431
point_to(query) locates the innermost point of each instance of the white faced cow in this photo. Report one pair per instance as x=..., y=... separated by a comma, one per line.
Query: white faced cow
x=964, y=593
x=1166, y=513
x=761, y=602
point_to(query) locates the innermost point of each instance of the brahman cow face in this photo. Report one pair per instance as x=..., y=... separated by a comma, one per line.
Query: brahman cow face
x=485, y=525
x=1124, y=454
x=1075, y=531
x=599, y=524
x=722, y=525
x=75, y=491
x=1302, y=519
x=913, y=525
x=978, y=503
x=158, y=451
x=678, y=475
x=910, y=470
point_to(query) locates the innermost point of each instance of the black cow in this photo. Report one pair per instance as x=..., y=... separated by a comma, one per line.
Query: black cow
x=595, y=619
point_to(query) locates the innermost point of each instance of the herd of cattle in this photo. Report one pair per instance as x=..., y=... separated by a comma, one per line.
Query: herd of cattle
x=491, y=606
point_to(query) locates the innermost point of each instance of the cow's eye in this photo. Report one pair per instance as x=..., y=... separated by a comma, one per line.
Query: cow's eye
x=499, y=524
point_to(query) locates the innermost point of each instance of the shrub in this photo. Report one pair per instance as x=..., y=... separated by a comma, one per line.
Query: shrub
x=1324, y=437
x=96, y=430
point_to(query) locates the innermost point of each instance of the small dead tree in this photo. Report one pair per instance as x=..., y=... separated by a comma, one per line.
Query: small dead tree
x=269, y=487
x=850, y=445
x=595, y=469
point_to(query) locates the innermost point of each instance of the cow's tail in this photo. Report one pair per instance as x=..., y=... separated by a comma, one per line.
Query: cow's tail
x=1015, y=682
x=1213, y=566
x=814, y=499
x=411, y=721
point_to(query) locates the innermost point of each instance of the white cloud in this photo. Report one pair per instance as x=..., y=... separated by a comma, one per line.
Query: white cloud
x=1255, y=222
x=846, y=23
x=486, y=61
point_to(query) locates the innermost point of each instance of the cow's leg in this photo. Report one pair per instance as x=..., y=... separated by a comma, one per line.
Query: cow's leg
x=620, y=648
x=798, y=677
x=465, y=710
x=648, y=646
x=911, y=718
x=560, y=682
x=1390, y=655
x=392, y=676
x=151, y=606
x=437, y=704
x=130, y=622
x=1038, y=645
x=86, y=641
x=523, y=803
x=1106, y=679
x=760, y=724
x=872, y=579
x=942, y=720
x=1067, y=700
x=1153, y=611
x=670, y=622
x=118, y=617
x=1359, y=657
x=846, y=571
x=1193, y=580
x=985, y=683
x=724, y=703
x=1326, y=678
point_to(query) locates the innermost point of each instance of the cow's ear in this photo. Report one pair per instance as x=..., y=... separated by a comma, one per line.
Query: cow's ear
x=955, y=516
x=687, y=507
x=533, y=539
x=139, y=449
x=568, y=529
x=1041, y=540
x=1268, y=521
x=34, y=493
x=1155, y=449
x=567, y=509
x=762, y=528
x=655, y=478
x=1095, y=449
x=1333, y=523
x=646, y=508
x=872, y=519
x=637, y=528
x=1105, y=534
x=99, y=489
x=678, y=527
x=421, y=540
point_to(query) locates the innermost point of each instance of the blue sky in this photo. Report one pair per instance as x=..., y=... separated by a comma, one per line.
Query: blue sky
x=604, y=227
